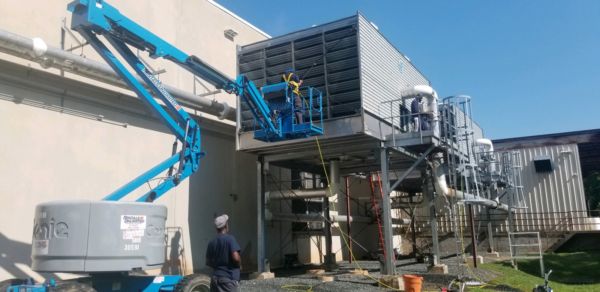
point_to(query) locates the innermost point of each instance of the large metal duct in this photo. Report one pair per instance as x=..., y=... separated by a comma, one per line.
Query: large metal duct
x=439, y=182
x=36, y=50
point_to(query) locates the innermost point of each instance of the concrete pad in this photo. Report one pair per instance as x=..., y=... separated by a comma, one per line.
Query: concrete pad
x=262, y=276
x=395, y=282
x=359, y=272
x=493, y=254
x=438, y=269
x=325, y=278
x=315, y=272
x=479, y=259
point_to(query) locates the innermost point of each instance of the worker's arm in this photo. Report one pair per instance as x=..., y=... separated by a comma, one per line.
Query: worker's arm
x=235, y=253
x=237, y=259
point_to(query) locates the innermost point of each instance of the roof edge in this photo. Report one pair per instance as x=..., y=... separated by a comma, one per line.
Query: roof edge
x=550, y=135
x=238, y=18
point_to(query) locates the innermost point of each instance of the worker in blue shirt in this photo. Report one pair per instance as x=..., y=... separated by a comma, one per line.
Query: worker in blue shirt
x=223, y=255
x=294, y=84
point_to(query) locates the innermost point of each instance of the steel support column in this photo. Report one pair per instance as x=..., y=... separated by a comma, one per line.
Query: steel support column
x=473, y=239
x=386, y=205
x=490, y=232
x=261, y=171
x=348, y=223
x=433, y=220
x=334, y=186
x=413, y=226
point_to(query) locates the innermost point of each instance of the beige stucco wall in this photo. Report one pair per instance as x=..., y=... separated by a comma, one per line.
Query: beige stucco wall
x=49, y=152
x=196, y=27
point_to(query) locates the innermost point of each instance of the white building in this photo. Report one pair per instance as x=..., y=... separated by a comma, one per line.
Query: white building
x=65, y=136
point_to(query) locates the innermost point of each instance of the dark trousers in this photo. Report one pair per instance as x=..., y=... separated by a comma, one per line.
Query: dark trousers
x=223, y=284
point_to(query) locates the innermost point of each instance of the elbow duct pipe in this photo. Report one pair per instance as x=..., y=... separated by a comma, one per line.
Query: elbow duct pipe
x=431, y=106
x=489, y=147
x=36, y=50
x=439, y=183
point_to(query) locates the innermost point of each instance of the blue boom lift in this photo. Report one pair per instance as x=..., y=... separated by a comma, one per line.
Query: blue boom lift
x=274, y=121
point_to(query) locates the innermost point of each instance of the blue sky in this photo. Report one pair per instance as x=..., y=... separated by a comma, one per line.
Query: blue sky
x=531, y=67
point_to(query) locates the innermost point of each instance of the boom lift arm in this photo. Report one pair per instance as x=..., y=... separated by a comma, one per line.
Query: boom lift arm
x=92, y=18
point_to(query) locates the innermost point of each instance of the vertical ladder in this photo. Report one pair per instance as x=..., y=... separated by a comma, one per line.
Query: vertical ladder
x=514, y=245
x=375, y=206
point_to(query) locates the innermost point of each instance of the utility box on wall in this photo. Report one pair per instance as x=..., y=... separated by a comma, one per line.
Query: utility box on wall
x=543, y=163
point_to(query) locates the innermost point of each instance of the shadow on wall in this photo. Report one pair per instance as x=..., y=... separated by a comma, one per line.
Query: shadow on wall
x=14, y=253
x=68, y=97
x=175, y=261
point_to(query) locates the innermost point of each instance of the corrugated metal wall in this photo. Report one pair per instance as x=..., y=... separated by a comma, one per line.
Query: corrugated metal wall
x=555, y=200
x=385, y=72
x=559, y=192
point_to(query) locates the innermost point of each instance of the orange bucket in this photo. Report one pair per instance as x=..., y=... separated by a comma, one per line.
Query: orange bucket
x=412, y=283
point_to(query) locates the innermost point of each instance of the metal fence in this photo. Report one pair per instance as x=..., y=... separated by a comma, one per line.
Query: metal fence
x=548, y=222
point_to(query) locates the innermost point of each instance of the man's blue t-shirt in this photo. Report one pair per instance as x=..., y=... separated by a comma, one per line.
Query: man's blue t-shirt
x=218, y=256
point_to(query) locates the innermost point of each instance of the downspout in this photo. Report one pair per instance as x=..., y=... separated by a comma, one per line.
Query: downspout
x=37, y=51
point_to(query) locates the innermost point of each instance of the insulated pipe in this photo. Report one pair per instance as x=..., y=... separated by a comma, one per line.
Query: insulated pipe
x=334, y=177
x=489, y=147
x=36, y=50
x=439, y=182
x=333, y=218
x=432, y=102
x=297, y=194
x=488, y=152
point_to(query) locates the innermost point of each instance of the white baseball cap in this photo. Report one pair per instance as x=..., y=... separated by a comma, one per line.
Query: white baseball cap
x=221, y=221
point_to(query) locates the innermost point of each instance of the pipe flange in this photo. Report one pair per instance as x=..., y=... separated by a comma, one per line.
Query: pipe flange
x=225, y=112
x=39, y=47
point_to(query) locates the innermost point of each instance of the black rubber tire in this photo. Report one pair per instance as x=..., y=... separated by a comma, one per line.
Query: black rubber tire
x=10, y=282
x=193, y=283
x=72, y=286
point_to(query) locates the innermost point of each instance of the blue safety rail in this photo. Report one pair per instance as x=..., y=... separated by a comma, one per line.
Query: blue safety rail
x=294, y=122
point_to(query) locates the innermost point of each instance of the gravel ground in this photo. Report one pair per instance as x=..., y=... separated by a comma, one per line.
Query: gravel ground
x=298, y=280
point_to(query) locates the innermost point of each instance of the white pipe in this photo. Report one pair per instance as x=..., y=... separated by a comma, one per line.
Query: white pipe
x=431, y=106
x=425, y=90
x=333, y=218
x=489, y=147
x=36, y=50
x=297, y=194
x=441, y=187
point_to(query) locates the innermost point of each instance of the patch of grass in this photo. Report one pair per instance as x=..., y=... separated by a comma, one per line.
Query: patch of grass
x=571, y=272
x=568, y=268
